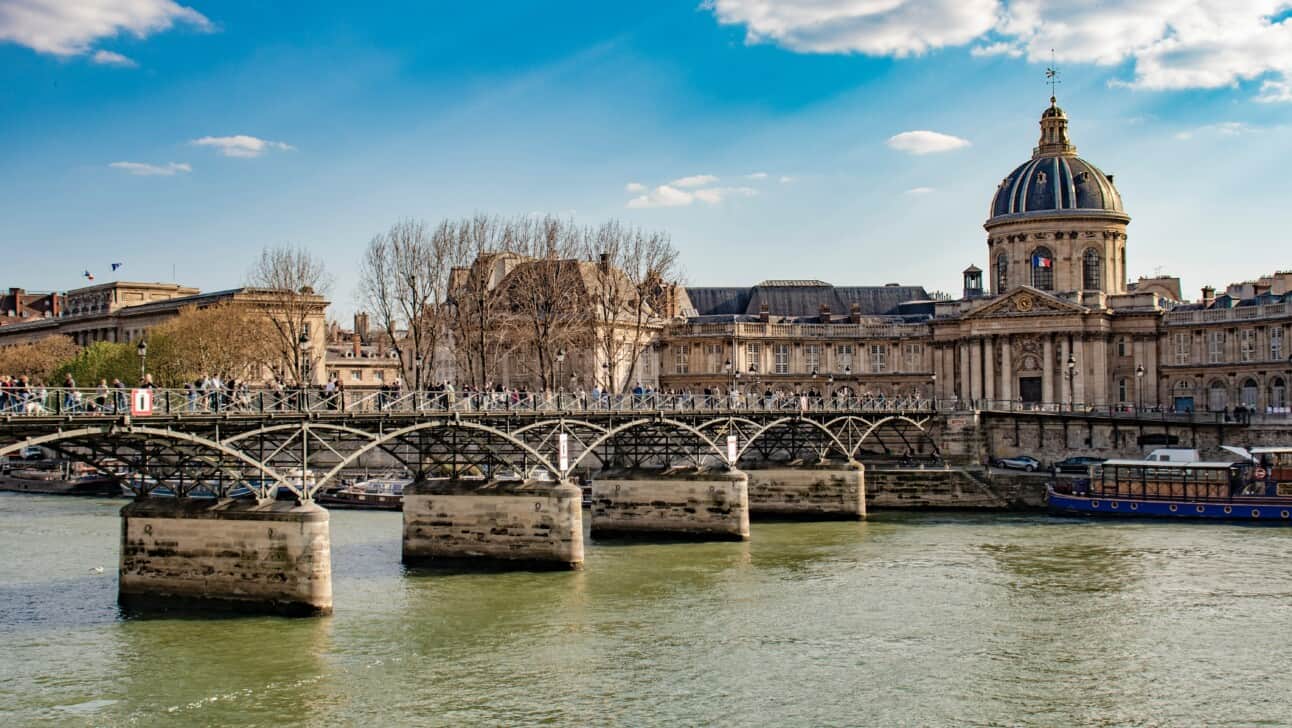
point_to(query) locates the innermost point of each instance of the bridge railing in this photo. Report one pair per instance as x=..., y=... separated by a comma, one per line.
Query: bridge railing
x=1236, y=415
x=51, y=401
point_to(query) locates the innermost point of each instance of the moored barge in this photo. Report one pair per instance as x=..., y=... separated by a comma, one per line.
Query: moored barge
x=1257, y=490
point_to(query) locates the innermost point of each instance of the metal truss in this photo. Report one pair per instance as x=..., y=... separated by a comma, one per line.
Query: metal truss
x=260, y=456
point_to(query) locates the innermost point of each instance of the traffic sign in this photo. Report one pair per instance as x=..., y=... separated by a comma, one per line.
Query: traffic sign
x=141, y=402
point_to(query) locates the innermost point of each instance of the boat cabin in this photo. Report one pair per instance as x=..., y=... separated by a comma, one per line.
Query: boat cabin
x=1148, y=479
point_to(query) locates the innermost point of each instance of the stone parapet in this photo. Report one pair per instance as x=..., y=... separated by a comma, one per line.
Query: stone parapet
x=818, y=492
x=475, y=524
x=238, y=555
x=698, y=505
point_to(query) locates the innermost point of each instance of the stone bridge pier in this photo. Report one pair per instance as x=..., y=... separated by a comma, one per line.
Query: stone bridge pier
x=466, y=523
x=702, y=505
x=230, y=555
x=818, y=492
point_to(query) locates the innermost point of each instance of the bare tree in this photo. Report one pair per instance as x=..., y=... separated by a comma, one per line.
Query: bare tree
x=630, y=289
x=289, y=282
x=547, y=295
x=404, y=279
x=476, y=312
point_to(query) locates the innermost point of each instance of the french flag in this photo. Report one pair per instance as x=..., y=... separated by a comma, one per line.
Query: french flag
x=88, y=275
x=1040, y=261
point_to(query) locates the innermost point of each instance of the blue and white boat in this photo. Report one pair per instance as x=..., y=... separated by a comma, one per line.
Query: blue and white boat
x=1258, y=489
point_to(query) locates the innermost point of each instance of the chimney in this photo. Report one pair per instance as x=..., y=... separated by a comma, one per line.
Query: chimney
x=56, y=304
x=355, y=343
x=825, y=313
x=1208, y=295
x=763, y=314
x=361, y=326
x=604, y=262
x=854, y=313
x=1260, y=288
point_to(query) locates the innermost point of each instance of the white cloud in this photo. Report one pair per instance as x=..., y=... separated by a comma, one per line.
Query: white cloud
x=1167, y=44
x=671, y=195
x=1224, y=129
x=634, y=187
x=996, y=49
x=663, y=196
x=917, y=191
x=786, y=179
x=108, y=58
x=872, y=27
x=71, y=27
x=1275, y=92
x=714, y=195
x=925, y=142
x=240, y=145
x=756, y=175
x=695, y=180
x=152, y=170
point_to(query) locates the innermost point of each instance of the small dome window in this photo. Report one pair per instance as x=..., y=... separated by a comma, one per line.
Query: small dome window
x=1040, y=178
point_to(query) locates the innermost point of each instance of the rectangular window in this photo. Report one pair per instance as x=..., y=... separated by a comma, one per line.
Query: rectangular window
x=913, y=357
x=682, y=359
x=1276, y=343
x=1183, y=348
x=1121, y=346
x=843, y=358
x=713, y=358
x=1246, y=345
x=379, y=376
x=781, y=356
x=1215, y=347
x=356, y=375
x=754, y=357
x=812, y=358
x=878, y=358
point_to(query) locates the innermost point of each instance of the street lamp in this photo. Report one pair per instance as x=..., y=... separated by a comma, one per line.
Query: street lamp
x=142, y=351
x=1072, y=373
x=933, y=387
x=1139, y=387
x=560, y=363
x=304, y=342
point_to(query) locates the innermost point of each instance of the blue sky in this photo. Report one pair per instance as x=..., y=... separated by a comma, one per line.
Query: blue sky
x=192, y=134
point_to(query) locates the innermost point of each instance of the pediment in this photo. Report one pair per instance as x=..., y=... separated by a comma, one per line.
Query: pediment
x=1024, y=301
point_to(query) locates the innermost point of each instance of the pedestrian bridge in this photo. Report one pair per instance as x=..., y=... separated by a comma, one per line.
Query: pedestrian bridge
x=199, y=444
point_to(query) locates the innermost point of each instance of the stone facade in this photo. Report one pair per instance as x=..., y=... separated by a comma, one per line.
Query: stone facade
x=237, y=555
x=703, y=506
x=808, y=493
x=464, y=523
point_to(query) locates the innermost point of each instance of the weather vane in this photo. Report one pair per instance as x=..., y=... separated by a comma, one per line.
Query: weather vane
x=1052, y=76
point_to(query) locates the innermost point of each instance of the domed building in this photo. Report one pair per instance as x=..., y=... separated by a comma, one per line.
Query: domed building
x=1057, y=221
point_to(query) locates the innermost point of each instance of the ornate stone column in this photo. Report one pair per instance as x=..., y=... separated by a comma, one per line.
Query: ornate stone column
x=1065, y=383
x=1047, y=368
x=1006, y=369
x=963, y=351
x=975, y=369
x=989, y=368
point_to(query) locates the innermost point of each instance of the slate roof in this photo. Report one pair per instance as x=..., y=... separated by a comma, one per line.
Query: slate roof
x=802, y=299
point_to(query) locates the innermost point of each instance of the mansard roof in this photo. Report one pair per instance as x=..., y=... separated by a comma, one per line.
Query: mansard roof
x=802, y=299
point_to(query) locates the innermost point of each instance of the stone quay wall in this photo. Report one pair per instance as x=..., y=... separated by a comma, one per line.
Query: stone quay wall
x=954, y=488
x=705, y=505
x=808, y=493
x=511, y=525
x=237, y=555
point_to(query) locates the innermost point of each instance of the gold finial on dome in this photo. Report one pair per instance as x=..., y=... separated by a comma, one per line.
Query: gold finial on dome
x=1054, y=123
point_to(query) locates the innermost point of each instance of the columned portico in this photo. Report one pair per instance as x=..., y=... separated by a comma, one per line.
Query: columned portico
x=1006, y=369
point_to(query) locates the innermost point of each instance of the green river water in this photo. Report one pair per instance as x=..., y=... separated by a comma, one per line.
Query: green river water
x=907, y=619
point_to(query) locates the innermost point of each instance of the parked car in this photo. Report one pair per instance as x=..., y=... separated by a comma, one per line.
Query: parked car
x=1020, y=462
x=1079, y=464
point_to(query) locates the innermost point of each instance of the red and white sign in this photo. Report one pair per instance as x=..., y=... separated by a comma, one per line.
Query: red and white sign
x=731, y=449
x=563, y=452
x=141, y=402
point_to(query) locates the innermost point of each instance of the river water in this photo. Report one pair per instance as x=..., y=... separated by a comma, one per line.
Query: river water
x=906, y=619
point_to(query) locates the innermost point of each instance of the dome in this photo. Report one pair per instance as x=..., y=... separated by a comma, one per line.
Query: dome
x=1052, y=183
x=1055, y=179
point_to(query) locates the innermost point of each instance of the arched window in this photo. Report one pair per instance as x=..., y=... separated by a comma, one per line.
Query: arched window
x=1091, y=270
x=1250, y=393
x=1279, y=394
x=1002, y=271
x=1217, y=396
x=1043, y=269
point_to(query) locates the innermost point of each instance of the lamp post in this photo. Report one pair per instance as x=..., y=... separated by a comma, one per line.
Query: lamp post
x=142, y=351
x=1072, y=373
x=304, y=342
x=560, y=363
x=1139, y=387
x=933, y=388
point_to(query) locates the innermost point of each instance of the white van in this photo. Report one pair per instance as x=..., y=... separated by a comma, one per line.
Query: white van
x=1174, y=455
